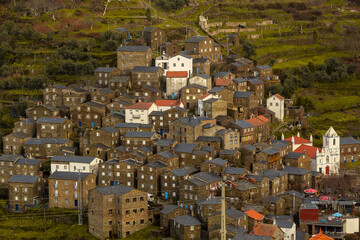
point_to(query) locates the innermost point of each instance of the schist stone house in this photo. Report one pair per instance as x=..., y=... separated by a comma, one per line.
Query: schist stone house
x=205, y=47
x=154, y=37
x=117, y=211
x=130, y=56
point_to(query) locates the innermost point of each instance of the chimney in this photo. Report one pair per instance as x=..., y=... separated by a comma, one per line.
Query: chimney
x=107, y=65
x=298, y=134
x=171, y=105
x=304, y=151
x=282, y=137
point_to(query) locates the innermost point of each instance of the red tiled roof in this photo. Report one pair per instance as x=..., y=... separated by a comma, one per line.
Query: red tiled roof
x=223, y=82
x=321, y=236
x=140, y=105
x=256, y=122
x=177, y=74
x=262, y=229
x=279, y=97
x=255, y=215
x=262, y=118
x=204, y=96
x=167, y=103
x=309, y=150
x=298, y=140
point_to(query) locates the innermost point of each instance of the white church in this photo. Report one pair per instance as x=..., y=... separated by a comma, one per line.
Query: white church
x=326, y=159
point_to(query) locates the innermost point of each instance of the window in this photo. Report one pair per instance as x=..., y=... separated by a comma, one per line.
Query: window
x=134, y=199
x=141, y=199
x=110, y=211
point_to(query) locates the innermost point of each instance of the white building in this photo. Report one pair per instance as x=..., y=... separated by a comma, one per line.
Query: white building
x=325, y=160
x=201, y=100
x=164, y=105
x=175, y=81
x=176, y=63
x=139, y=112
x=276, y=103
x=74, y=164
x=202, y=80
x=328, y=160
x=288, y=227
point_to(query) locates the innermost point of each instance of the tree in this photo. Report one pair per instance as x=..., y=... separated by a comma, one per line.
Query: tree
x=306, y=102
x=353, y=44
x=17, y=109
x=148, y=14
x=249, y=49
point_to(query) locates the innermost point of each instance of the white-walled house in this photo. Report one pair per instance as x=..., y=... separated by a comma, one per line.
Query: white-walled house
x=175, y=81
x=202, y=80
x=139, y=112
x=288, y=227
x=176, y=63
x=164, y=105
x=201, y=100
x=276, y=103
x=75, y=163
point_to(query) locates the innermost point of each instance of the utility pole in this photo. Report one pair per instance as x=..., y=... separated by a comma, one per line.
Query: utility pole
x=223, y=213
x=80, y=216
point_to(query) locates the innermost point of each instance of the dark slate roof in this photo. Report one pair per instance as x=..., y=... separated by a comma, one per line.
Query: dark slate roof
x=208, y=139
x=203, y=178
x=106, y=90
x=196, y=39
x=262, y=67
x=210, y=201
x=198, y=152
x=127, y=125
x=193, y=121
x=238, y=64
x=348, y=140
x=105, y=69
x=272, y=174
x=60, y=86
x=164, y=142
x=211, y=100
x=234, y=170
x=250, y=147
x=146, y=149
x=187, y=220
x=100, y=145
x=293, y=192
x=204, y=75
x=117, y=115
x=296, y=171
x=167, y=154
x=112, y=162
x=242, y=94
x=37, y=141
x=157, y=164
x=195, y=86
x=200, y=60
x=21, y=135
x=279, y=143
x=50, y=120
x=169, y=208
x=272, y=199
x=118, y=190
x=216, y=161
x=255, y=81
x=233, y=213
x=146, y=125
x=243, y=124
x=94, y=104
x=78, y=159
x=221, y=74
x=181, y=109
x=132, y=134
x=185, y=147
x=216, y=89
x=180, y=172
x=207, y=149
x=145, y=69
x=270, y=151
x=109, y=129
x=132, y=48
x=284, y=223
x=28, y=161
x=239, y=80
x=131, y=162
x=157, y=113
x=228, y=152
x=294, y=155
x=9, y=157
x=23, y=179
x=245, y=185
x=151, y=88
x=69, y=175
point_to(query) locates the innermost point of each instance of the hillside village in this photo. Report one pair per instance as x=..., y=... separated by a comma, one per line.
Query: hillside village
x=160, y=140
